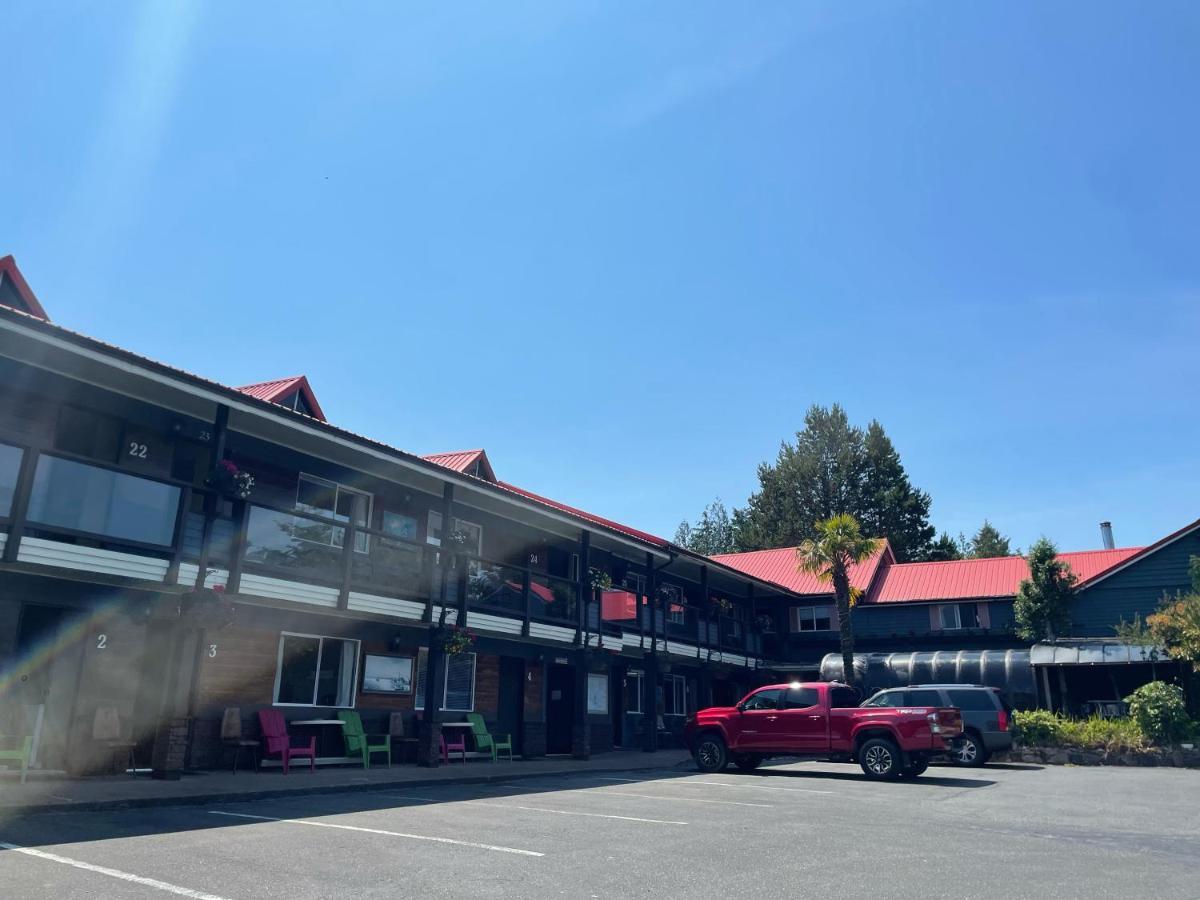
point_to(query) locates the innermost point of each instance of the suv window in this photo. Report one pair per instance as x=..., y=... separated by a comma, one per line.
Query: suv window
x=800, y=698
x=972, y=699
x=843, y=698
x=924, y=698
x=887, y=698
x=764, y=700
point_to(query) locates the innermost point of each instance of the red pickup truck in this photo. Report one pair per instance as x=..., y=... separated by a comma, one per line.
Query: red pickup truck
x=820, y=720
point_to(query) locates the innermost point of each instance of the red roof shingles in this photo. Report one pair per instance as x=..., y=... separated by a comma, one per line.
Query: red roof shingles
x=10, y=272
x=463, y=461
x=280, y=388
x=970, y=579
x=780, y=567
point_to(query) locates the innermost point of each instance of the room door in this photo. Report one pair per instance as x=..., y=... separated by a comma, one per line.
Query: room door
x=560, y=708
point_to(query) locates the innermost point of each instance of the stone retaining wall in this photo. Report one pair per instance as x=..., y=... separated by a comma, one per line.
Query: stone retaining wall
x=1075, y=757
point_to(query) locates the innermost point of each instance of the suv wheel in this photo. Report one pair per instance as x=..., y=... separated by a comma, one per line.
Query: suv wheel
x=710, y=753
x=968, y=750
x=880, y=759
x=747, y=762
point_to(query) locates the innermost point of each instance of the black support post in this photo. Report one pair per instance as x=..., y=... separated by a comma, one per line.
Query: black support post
x=430, y=732
x=20, y=504
x=650, y=673
x=212, y=500
x=582, y=585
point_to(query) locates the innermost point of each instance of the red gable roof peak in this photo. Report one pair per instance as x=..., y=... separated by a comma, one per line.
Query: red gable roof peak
x=279, y=389
x=467, y=462
x=11, y=276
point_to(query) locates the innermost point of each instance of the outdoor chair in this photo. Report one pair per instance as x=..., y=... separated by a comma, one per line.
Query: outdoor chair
x=106, y=730
x=459, y=746
x=231, y=736
x=397, y=736
x=21, y=754
x=486, y=741
x=277, y=739
x=359, y=742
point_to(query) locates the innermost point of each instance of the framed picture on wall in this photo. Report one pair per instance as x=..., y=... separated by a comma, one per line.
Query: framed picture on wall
x=387, y=674
x=597, y=693
x=400, y=525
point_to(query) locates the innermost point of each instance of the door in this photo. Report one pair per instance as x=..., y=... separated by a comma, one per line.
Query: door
x=47, y=670
x=805, y=721
x=759, y=725
x=510, y=707
x=560, y=708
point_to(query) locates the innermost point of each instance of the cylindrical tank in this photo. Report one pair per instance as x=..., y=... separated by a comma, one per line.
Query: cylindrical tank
x=1008, y=670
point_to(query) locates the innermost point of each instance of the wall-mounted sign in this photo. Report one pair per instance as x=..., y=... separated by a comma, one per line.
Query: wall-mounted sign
x=597, y=693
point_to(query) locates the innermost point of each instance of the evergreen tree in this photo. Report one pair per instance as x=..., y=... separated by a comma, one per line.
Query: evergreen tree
x=834, y=468
x=942, y=549
x=1043, y=603
x=988, y=542
x=712, y=533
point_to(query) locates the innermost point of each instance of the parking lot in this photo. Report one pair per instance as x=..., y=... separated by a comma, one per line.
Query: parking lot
x=803, y=829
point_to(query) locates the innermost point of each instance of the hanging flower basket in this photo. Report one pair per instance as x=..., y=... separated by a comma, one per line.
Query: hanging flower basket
x=722, y=605
x=458, y=640
x=601, y=580
x=459, y=541
x=227, y=478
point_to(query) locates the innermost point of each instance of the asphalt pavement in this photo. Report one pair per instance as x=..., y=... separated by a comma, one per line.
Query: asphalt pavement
x=798, y=830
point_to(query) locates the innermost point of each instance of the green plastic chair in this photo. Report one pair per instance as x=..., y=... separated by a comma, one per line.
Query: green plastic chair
x=358, y=741
x=21, y=754
x=486, y=741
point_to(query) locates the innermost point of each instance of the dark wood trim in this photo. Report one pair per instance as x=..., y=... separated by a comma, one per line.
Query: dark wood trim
x=582, y=583
x=526, y=597
x=349, y=535
x=20, y=504
x=445, y=556
x=706, y=611
x=238, y=552
x=212, y=501
x=185, y=502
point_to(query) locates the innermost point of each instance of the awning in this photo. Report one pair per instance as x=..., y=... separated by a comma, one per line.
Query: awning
x=1093, y=653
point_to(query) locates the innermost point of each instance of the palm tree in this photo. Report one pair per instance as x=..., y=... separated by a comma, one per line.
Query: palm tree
x=839, y=544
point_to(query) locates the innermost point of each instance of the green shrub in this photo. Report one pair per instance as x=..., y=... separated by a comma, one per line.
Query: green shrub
x=1160, y=712
x=1037, y=727
x=1042, y=728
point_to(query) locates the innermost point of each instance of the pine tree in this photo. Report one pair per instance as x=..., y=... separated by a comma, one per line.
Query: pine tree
x=942, y=549
x=988, y=542
x=1042, y=606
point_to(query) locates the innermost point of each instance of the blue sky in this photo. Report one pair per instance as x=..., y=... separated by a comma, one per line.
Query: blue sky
x=624, y=247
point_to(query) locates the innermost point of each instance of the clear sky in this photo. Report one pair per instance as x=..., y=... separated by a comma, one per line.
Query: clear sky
x=624, y=246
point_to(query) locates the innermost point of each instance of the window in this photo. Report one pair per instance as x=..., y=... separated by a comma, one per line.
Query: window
x=800, y=698
x=597, y=696
x=327, y=498
x=975, y=700
x=87, y=433
x=10, y=465
x=459, y=695
x=954, y=616
x=635, y=583
x=633, y=691
x=433, y=532
x=843, y=698
x=923, y=698
x=672, y=595
x=100, y=501
x=887, y=698
x=768, y=699
x=315, y=671
x=674, y=695
x=812, y=618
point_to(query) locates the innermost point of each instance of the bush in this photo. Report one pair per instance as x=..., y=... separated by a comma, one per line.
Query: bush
x=1159, y=710
x=1042, y=728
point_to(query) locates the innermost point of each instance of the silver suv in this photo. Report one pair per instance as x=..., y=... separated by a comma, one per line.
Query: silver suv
x=987, y=718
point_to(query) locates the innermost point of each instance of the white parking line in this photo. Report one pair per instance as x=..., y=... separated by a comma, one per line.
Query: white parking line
x=112, y=873
x=399, y=834
x=684, y=799
x=566, y=812
x=408, y=797
x=759, y=787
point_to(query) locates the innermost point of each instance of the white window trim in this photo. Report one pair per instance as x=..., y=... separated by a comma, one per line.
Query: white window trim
x=337, y=489
x=681, y=682
x=422, y=657
x=641, y=685
x=958, y=625
x=795, y=618
x=437, y=542
x=320, y=650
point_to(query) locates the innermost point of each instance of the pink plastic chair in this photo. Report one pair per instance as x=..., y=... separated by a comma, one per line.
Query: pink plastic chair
x=275, y=736
x=459, y=747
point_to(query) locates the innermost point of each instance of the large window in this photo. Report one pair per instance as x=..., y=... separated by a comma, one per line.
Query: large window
x=474, y=533
x=812, y=618
x=335, y=501
x=954, y=616
x=10, y=465
x=315, y=671
x=672, y=596
x=674, y=695
x=460, y=682
x=84, y=498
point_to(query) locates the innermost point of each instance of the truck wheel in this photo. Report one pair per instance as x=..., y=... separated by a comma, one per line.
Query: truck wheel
x=747, y=762
x=880, y=759
x=914, y=768
x=710, y=753
x=969, y=750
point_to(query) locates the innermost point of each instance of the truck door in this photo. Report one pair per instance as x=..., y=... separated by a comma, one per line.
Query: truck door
x=805, y=720
x=758, y=724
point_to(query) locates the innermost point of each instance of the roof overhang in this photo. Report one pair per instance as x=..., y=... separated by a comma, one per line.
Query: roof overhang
x=1093, y=653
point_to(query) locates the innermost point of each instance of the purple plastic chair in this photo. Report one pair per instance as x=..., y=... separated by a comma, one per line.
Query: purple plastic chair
x=275, y=736
x=459, y=747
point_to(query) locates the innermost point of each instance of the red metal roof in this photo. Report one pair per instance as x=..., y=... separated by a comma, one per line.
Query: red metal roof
x=281, y=388
x=598, y=520
x=969, y=579
x=1145, y=551
x=10, y=272
x=780, y=567
x=463, y=461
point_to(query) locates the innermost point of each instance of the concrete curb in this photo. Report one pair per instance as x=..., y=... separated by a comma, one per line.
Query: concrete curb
x=277, y=793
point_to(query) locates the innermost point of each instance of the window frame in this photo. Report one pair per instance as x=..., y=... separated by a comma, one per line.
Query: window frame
x=338, y=488
x=794, y=619
x=676, y=598
x=678, y=692
x=321, y=638
x=958, y=616
x=639, y=676
x=422, y=667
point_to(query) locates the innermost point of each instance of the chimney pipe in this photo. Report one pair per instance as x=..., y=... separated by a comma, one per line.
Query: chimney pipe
x=1106, y=535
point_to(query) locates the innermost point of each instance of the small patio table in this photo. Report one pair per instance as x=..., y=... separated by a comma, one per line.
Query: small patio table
x=322, y=741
